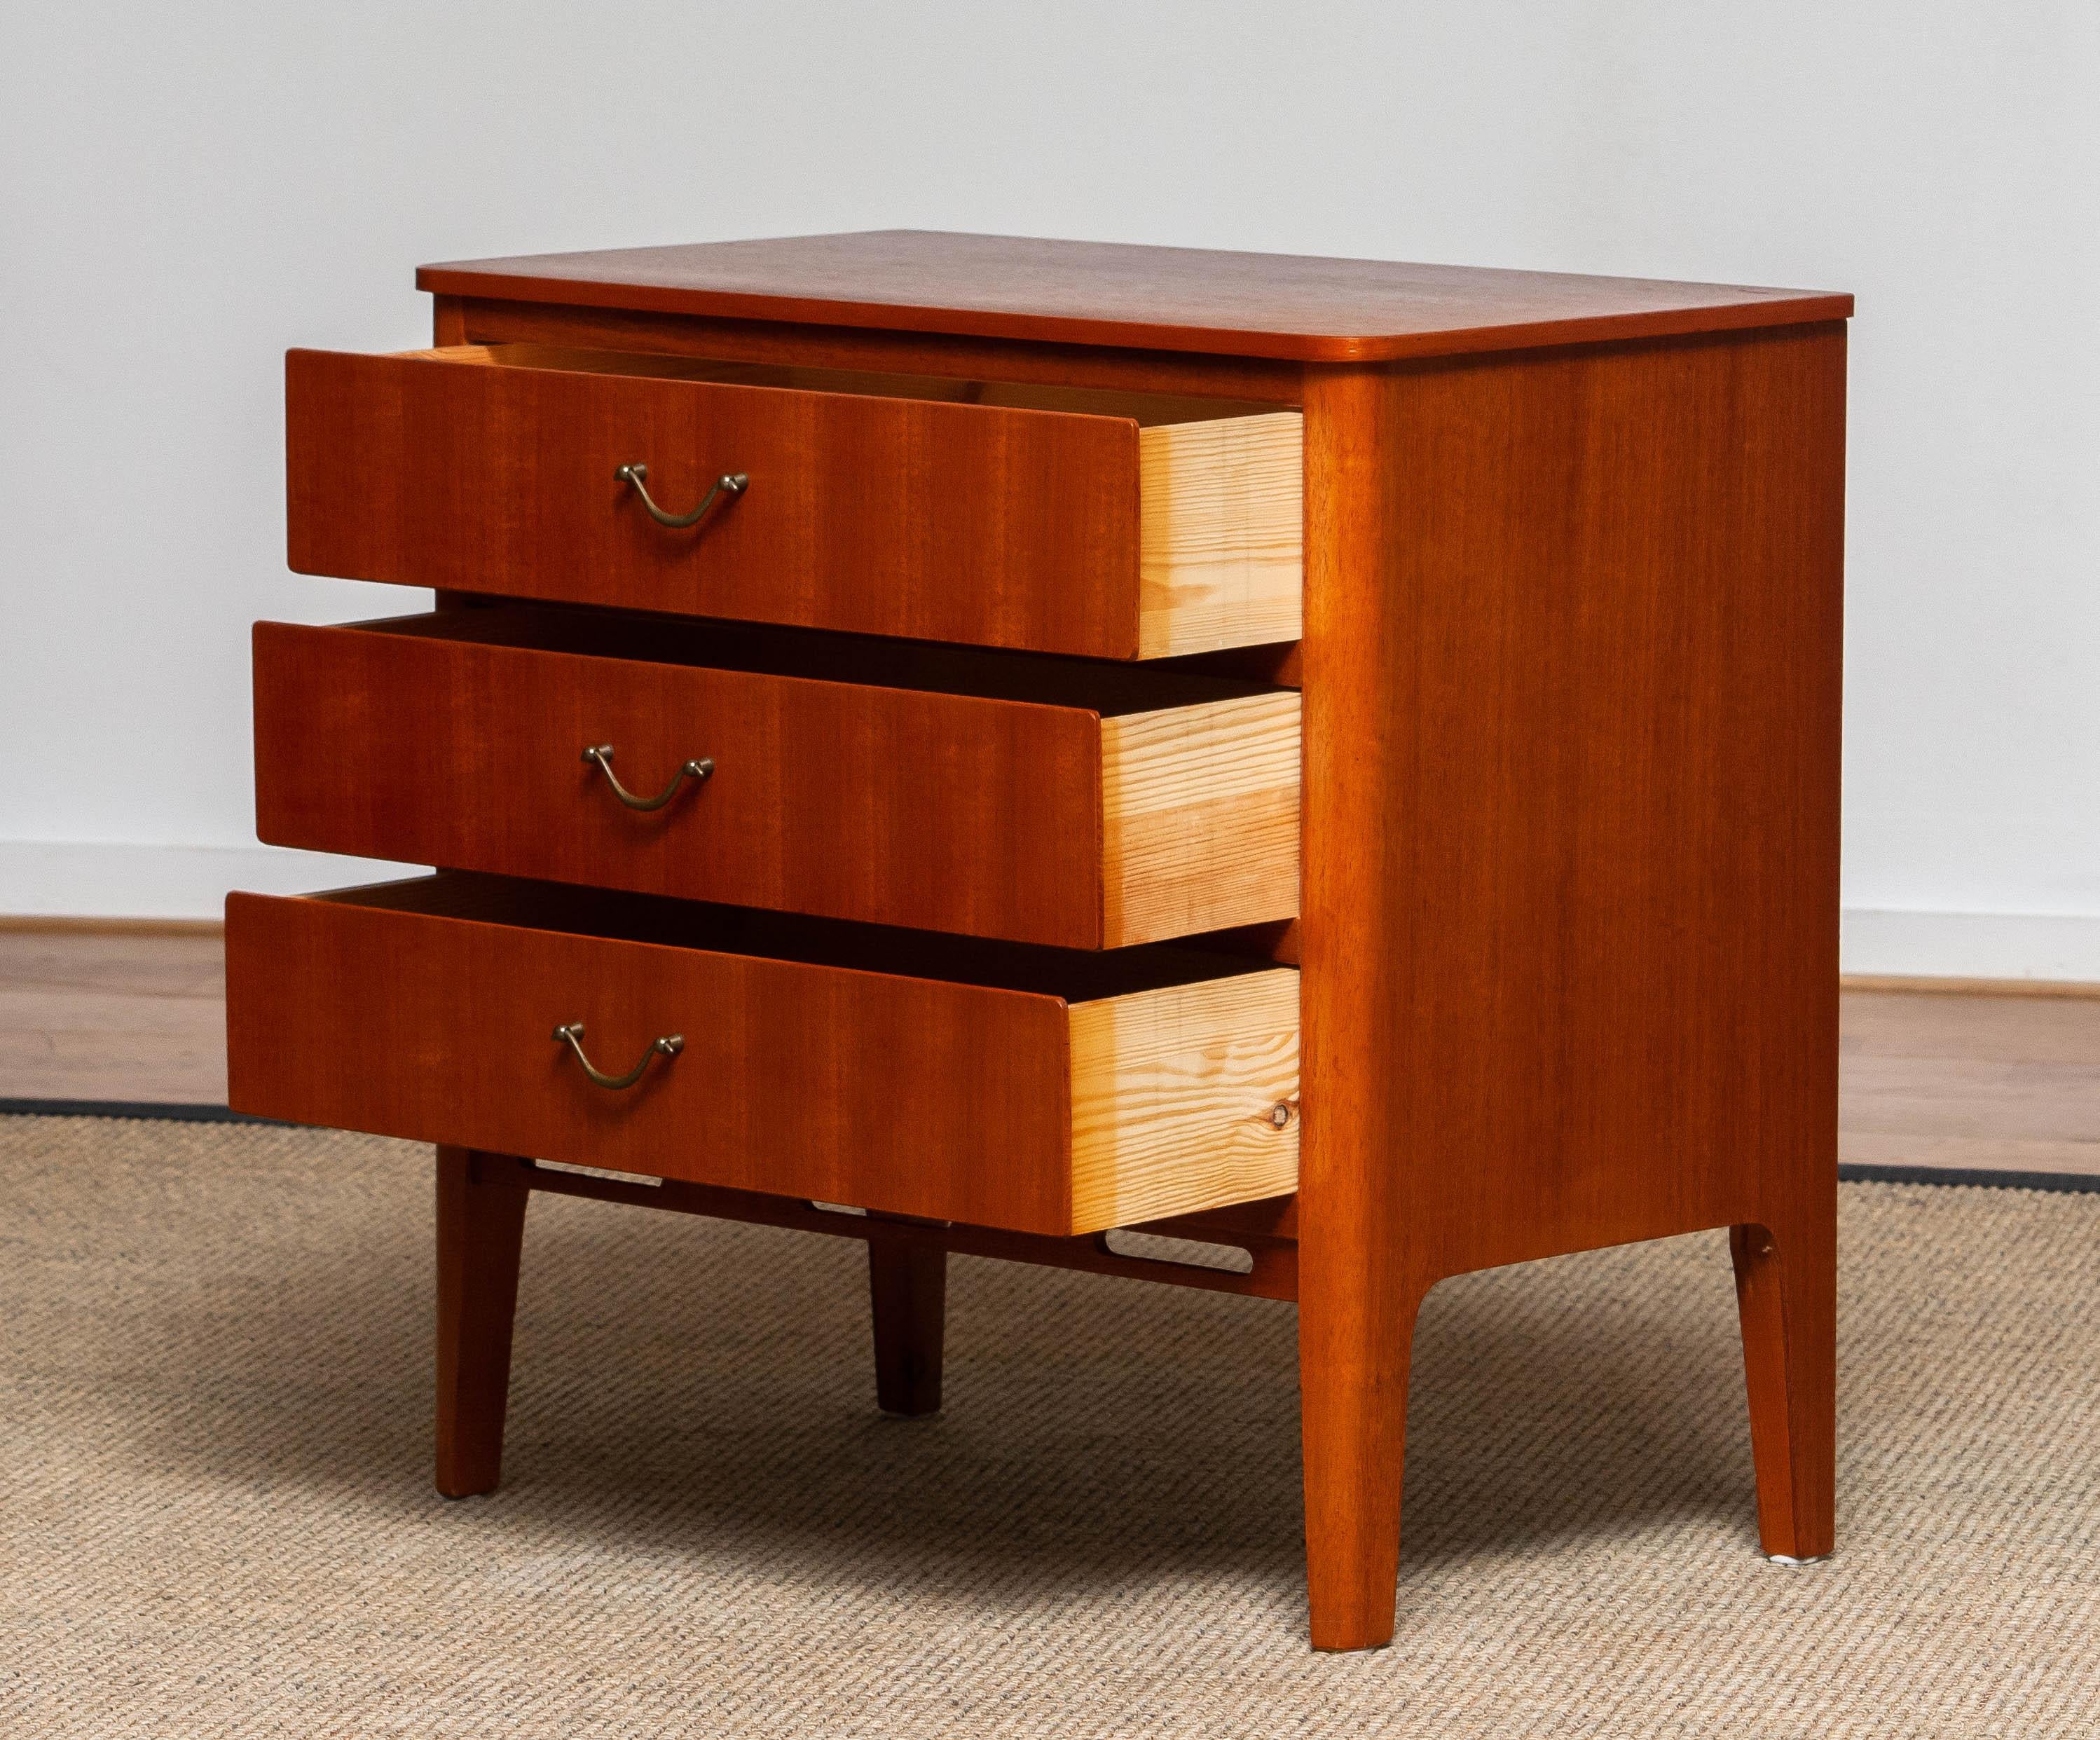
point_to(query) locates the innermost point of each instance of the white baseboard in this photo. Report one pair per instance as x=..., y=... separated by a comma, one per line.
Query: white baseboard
x=68, y=879
x=82, y=879
x=1971, y=945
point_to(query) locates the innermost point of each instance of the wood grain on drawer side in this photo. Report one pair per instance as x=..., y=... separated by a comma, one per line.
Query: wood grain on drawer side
x=1174, y=1094
x=1221, y=534
x=1199, y=817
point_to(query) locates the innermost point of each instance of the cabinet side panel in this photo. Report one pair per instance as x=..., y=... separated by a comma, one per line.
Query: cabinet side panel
x=1573, y=668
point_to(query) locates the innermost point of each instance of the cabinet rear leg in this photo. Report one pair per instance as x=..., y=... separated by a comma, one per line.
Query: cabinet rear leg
x=481, y=1229
x=907, y=1291
x=1786, y=1288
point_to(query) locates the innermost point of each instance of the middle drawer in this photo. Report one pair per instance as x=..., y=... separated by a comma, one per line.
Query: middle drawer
x=1005, y=796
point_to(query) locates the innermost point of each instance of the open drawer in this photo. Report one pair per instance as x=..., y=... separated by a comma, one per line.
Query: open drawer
x=1040, y=800
x=1112, y=525
x=1039, y=1090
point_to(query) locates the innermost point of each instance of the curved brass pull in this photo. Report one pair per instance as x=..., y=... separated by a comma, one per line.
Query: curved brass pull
x=669, y=1046
x=696, y=770
x=728, y=483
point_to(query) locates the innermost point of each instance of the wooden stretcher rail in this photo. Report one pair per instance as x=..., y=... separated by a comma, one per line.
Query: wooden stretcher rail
x=1274, y=1274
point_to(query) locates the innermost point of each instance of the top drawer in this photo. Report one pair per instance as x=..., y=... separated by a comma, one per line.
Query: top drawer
x=1109, y=525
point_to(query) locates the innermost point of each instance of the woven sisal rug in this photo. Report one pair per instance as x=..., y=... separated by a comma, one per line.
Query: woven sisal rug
x=216, y=1516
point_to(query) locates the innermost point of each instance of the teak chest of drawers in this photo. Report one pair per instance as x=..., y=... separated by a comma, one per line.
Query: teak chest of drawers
x=1028, y=739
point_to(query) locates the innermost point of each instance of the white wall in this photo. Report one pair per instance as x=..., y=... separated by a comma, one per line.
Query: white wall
x=189, y=190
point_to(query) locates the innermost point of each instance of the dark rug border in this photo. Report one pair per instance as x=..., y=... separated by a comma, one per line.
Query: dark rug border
x=173, y=1112
x=1864, y=1172
x=1850, y=1172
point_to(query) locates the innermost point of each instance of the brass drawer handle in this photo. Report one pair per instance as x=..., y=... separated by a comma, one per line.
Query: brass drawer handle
x=728, y=483
x=696, y=770
x=669, y=1046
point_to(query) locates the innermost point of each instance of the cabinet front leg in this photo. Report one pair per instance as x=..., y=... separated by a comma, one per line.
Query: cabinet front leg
x=1354, y=1340
x=481, y=1229
x=907, y=1291
x=1786, y=1288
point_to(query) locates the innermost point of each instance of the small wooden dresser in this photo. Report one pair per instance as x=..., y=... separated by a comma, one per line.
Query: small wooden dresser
x=1054, y=748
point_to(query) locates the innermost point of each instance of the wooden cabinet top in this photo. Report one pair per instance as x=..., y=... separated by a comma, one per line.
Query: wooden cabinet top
x=1287, y=306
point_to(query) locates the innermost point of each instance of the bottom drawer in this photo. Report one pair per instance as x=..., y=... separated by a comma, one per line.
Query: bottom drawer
x=1001, y=1084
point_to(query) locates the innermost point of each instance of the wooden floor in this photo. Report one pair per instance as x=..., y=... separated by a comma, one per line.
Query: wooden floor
x=2003, y=1083
x=113, y=1016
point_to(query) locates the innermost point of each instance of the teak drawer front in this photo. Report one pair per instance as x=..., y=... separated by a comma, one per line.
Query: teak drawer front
x=417, y=1010
x=983, y=524
x=944, y=811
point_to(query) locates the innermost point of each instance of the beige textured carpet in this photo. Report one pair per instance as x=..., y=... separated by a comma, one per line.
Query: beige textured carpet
x=216, y=1516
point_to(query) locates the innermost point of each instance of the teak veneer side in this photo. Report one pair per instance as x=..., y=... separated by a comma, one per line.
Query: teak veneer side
x=1569, y=922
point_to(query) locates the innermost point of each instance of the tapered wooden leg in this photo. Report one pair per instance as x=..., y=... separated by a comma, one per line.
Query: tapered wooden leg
x=1786, y=1287
x=1354, y=1340
x=907, y=1291
x=481, y=1228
